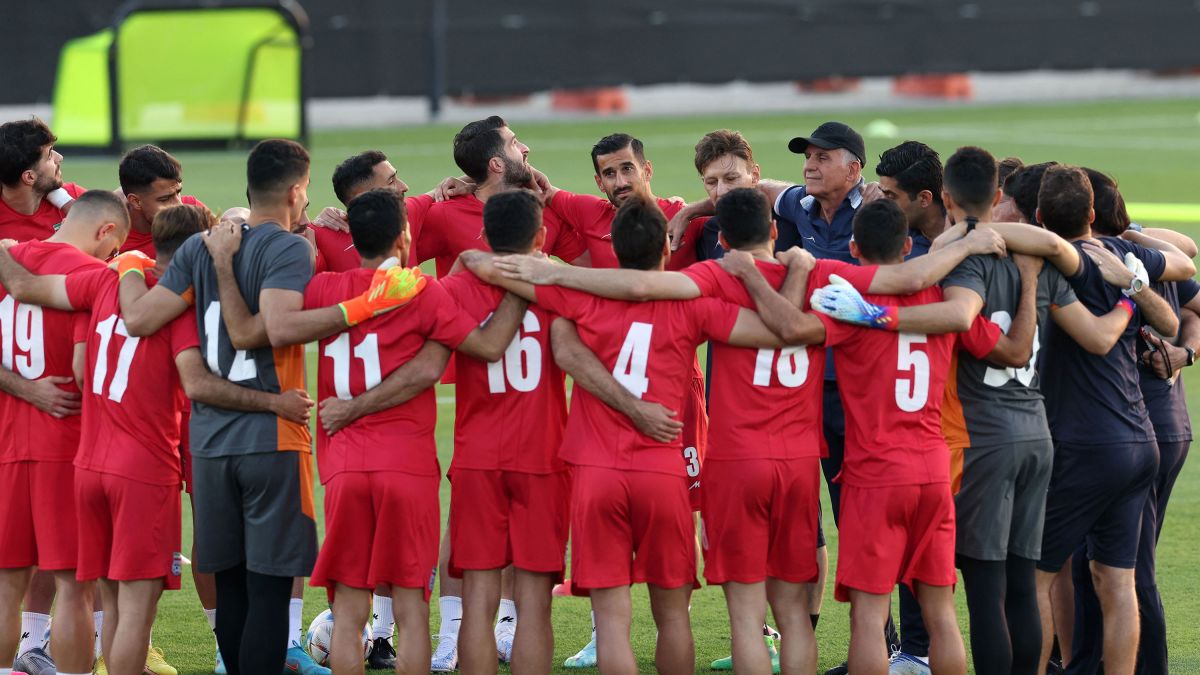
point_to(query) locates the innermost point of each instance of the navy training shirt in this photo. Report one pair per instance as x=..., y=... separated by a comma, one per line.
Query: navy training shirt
x=1093, y=399
x=1166, y=400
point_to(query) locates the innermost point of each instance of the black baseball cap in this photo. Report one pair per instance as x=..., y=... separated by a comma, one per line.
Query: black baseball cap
x=832, y=135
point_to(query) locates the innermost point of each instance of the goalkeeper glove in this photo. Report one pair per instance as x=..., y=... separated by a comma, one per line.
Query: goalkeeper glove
x=391, y=287
x=131, y=262
x=843, y=302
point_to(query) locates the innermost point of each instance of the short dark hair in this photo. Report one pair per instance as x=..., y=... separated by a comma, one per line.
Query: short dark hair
x=173, y=225
x=915, y=167
x=273, y=166
x=1023, y=187
x=639, y=231
x=141, y=166
x=21, y=145
x=101, y=205
x=355, y=171
x=1112, y=218
x=511, y=220
x=880, y=229
x=476, y=144
x=377, y=217
x=615, y=143
x=719, y=143
x=1007, y=167
x=1065, y=201
x=970, y=177
x=745, y=217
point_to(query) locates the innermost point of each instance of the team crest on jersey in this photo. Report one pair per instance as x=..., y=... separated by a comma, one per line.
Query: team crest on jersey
x=176, y=564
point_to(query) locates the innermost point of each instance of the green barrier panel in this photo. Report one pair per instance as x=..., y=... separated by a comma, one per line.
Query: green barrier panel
x=81, y=95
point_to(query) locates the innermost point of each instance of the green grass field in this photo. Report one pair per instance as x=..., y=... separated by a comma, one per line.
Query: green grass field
x=1145, y=145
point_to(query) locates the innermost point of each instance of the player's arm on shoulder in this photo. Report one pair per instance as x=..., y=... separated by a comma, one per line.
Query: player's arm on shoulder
x=1015, y=348
x=144, y=310
x=921, y=272
x=1096, y=334
x=678, y=224
x=780, y=315
x=288, y=323
x=201, y=385
x=1179, y=240
x=1155, y=310
x=48, y=290
x=619, y=284
x=245, y=330
x=413, y=377
x=482, y=265
x=1178, y=265
x=488, y=342
x=954, y=314
x=652, y=419
x=771, y=189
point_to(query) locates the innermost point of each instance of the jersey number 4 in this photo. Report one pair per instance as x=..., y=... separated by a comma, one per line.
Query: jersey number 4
x=521, y=365
x=912, y=390
x=630, y=369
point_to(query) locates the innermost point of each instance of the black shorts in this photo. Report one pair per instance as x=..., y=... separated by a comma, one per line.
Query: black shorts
x=1096, y=495
x=256, y=509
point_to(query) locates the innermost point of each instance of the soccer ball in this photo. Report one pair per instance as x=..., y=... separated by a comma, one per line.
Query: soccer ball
x=320, y=638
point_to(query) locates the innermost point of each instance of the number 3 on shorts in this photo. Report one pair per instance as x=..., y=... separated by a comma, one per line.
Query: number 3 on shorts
x=913, y=391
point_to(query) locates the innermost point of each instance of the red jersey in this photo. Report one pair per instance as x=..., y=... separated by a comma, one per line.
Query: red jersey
x=132, y=397
x=893, y=385
x=768, y=401
x=335, y=249
x=38, y=225
x=649, y=347
x=591, y=216
x=351, y=362
x=142, y=241
x=509, y=414
x=456, y=225
x=38, y=343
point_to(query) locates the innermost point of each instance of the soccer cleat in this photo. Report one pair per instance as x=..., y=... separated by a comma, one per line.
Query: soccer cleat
x=727, y=662
x=35, y=662
x=903, y=664
x=840, y=669
x=562, y=590
x=157, y=664
x=584, y=658
x=505, y=632
x=219, y=668
x=100, y=668
x=445, y=657
x=383, y=654
x=298, y=661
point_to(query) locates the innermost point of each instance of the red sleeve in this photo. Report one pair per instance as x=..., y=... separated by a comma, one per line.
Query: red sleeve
x=859, y=276
x=567, y=244
x=836, y=332
x=189, y=199
x=981, y=338
x=704, y=275
x=451, y=325
x=80, y=321
x=316, y=294
x=417, y=208
x=184, y=333
x=74, y=189
x=84, y=286
x=572, y=208
x=565, y=302
x=426, y=240
x=717, y=317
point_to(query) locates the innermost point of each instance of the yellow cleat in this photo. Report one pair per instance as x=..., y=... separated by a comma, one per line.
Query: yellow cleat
x=157, y=665
x=100, y=669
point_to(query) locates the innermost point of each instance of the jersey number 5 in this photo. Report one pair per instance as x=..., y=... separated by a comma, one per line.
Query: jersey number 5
x=630, y=370
x=21, y=326
x=913, y=391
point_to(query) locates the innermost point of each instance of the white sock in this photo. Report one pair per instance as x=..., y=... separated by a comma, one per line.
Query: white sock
x=98, y=622
x=451, y=610
x=211, y=615
x=5, y=671
x=295, y=617
x=384, y=620
x=922, y=659
x=33, y=631
x=508, y=610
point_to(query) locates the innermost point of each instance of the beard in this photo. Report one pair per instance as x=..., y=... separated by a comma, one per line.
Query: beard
x=44, y=185
x=516, y=174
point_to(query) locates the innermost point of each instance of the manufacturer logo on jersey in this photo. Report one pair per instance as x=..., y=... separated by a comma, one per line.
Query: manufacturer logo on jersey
x=176, y=564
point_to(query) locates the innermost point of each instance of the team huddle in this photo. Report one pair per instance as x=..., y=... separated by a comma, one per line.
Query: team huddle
x=981, y=358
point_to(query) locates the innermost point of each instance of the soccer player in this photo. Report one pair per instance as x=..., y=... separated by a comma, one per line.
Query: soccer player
x=896, y=461
x=129, y=470
x=36, y=453
x=253, y=470
x=151, y=180
x=910, y=174
x=33, y=197
x=387, y=487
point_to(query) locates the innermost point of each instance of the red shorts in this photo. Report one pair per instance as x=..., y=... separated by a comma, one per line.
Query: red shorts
x=38, y=525
x=502, y=517
x=895, y=534
x=128, y=530
x=185, y=451
x=380, y=528
x=630, y=527
x=760, y=519
x=695, y=438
